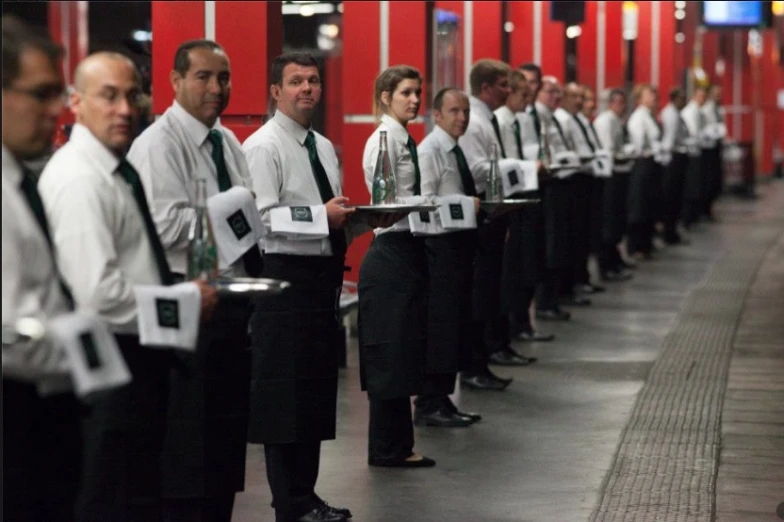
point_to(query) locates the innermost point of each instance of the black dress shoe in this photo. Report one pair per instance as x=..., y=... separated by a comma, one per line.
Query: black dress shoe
x=424, y=462
x=320, y=514
x=449, y=406
x=577, y=300
x=483, y=382
x=616, y=275
x=553, y=315
x=534, y=336
x=344, y=512
x=441, y=418
x=505, y=358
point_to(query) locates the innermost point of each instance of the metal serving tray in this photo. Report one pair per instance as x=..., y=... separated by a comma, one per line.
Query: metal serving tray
x=507, y=204
x=249, y=285
x=393, y=209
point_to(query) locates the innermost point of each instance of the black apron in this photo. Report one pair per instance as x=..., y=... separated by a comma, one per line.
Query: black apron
x=692, y=190
x=392, y=321
x=488, y=267
x=524, y=256
x=450, y=267
x=614, y=212
x=295, y=339
x=673, y=181
x=643, y=183
x=206, y=437
x=557, y=198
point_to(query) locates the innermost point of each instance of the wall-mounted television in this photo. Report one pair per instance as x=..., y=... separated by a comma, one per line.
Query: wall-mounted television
x=736, y=15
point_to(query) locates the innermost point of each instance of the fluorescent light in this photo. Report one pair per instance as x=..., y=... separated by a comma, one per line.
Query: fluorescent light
x=308, y=9
x=508, y=27
x=680, y=4
x=573, y=31
x=680, y=14
x=680, y=37
x=142, y=36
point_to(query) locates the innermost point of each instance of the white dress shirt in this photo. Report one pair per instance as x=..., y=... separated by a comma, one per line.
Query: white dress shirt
x=438, y=165
x=283, y=177
x=102, y=245
x=581, y=145
x=609, y=128
x=528, y=131
x=559, y=140
x=399, y=158
x=589, y=129
x=694, y=118
x=712, y=115
x=30, y=284
x=477, y=142
x=169, y=155
x=644, y=133
x=506, y=121
x=674, y=130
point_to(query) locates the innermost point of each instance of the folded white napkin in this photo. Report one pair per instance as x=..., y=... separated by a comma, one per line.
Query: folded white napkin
x=456, y=212
x=236, y=224
x=94, y=360
x=602, y=163
x=300, y=222
x=531, y=151
x=629, y=149
x=518, y=176
x=425, y=223
x=169, y=315
x=569, y=162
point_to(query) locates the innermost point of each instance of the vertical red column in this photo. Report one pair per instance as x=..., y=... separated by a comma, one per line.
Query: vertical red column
x=642, y=45
x=487, y=29
x=521, y=49
x=614, y=46
x=668, y=73
x=586, y=47
x=553, y=48
x=770, y=114
x=68, y=26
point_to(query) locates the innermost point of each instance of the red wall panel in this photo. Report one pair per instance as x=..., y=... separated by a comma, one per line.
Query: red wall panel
x=553, y=48
x=668, y=75
x=332, y=98
x=487, y=30
x=172, y=24
x=613, y=59
x=586, y=47
x=407, y=39
x=710, y=53
x=521, y=42
x=354, y=137
x=361, y=56
x=642, y=46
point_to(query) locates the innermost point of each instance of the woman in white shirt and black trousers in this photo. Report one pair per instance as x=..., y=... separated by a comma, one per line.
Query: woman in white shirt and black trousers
x=393, y=285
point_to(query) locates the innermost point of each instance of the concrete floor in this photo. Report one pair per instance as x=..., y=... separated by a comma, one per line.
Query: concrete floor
x=546, y=443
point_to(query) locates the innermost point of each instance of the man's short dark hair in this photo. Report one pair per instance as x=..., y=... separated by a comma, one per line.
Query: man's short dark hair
x=18, y=38
x=614, y=93
x=532, y=68
x=296, y=57
x=438, y=101
x=182, y=62
x=675, y=93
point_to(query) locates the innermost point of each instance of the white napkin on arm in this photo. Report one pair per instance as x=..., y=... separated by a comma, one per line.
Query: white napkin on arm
x=300, y=222
x=169, y=315
x=456, y=212
x=94, y=360
x=517, y=176
x=236, y=224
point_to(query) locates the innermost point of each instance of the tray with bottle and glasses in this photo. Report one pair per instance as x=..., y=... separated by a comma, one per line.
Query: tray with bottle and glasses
x=507, y=204
x=228, y=286
x=392, y=208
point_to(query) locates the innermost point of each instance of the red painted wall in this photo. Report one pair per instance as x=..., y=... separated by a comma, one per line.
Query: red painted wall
x=614, y=57
x=586, y=47
x=521, y=48
x=552, y=45
x=487, y=30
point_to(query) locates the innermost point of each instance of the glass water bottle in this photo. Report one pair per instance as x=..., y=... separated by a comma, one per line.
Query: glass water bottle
x=384, y=186
x=202, y=250
x=494, y=191
x=544, y=145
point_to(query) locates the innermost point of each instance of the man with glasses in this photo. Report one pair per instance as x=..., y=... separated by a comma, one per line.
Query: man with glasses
x=40, y=428
x=107, y=245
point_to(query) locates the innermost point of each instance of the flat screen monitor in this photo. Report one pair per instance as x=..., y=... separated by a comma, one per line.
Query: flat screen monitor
x=734, y=15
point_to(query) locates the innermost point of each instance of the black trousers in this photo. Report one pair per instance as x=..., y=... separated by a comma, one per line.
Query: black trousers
x=520, y=319
x=217, y=508
x=673, y=180
x=712, y=179
x=435, y=388
x=640, y=237
x=549, y=289
x=41, y=454
x=123, y=437
x=581, y=230
x=292, y=471
x=391, y=430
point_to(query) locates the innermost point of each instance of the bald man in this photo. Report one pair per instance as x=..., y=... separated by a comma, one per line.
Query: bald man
x=106, y=245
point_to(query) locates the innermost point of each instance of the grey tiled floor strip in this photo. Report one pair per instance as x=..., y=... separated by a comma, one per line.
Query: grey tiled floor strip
x=667, y=460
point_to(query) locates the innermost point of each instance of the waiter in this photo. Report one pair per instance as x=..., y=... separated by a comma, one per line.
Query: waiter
x=611, y=132
x=296, y=335
x=450, y=256
x=645, y=135
x=107, y=244
x=713, y=178
x=203, y=463
x=675, y=135
x=41, y=423
x=556, y=199
x=598, y=183
x=695, y=121
x=489, y=89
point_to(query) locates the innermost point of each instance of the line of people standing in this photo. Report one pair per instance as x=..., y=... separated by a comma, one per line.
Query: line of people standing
x=110, y=213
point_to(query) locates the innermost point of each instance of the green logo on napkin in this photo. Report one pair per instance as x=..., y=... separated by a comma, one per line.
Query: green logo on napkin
x=168, y=313
x=513, y=178
x=301, y=214
x=424, y=217
x=456, y=210
x=239, y=225
x=90, y=353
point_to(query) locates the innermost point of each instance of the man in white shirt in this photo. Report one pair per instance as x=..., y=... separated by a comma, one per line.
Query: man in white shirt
x=556, y=204
x=713, y=176
x=295, y=336
x=40, y=430
x=611, y=132
x=107, y=244
x=675, y=136
x=444, y=170
x=203, y=463
x=696, y=124
x=489, y=89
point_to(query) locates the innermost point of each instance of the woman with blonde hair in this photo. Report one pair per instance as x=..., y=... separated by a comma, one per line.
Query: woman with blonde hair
x=393, y=284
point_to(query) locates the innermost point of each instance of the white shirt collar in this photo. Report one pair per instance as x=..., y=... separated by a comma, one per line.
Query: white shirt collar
x=396, y=130
x=506, y=112
x=299, y=132
x=82, y=138
x=481, y=107
x=197, y=131
x=542, y=109
x=443, y=139
x=12, y=170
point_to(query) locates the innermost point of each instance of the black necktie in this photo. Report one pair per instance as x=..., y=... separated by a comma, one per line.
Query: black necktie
x=251, y=258
x=337, y=238
x=518, y=139
x=497, y=130
x=465, y=173
x=411, y=145
x=595, y=136
x=537, y=123
x=33, y=198
x=560, y=131
x=132, y=178
x=585, y=132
